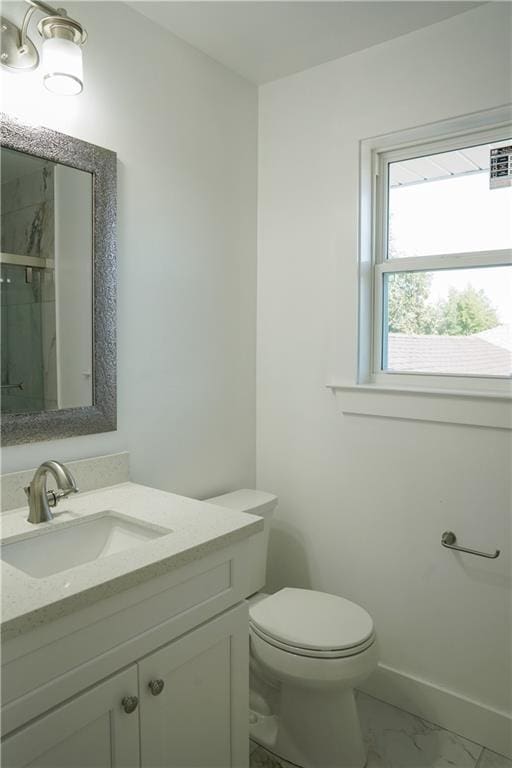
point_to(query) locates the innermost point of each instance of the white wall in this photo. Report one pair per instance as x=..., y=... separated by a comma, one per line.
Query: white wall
x=364, y=501
x=185, y=131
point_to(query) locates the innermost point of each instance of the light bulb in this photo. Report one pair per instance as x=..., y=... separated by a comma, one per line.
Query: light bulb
x=62, y=66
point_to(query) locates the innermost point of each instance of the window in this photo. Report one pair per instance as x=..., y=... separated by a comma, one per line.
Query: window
x=442, y=265
x=435, y=276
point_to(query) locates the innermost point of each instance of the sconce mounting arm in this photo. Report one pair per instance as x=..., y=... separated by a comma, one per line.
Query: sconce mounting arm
x=37, y=5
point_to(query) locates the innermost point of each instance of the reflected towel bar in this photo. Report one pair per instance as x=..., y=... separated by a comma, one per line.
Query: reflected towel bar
x=448, y=540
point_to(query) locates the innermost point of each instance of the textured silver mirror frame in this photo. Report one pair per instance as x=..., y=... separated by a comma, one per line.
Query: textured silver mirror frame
x=102, y=163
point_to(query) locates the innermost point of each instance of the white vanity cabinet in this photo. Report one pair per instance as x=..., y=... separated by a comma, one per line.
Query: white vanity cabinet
x=90, y=730
x=64, y=682
x=200, y=716
x=172, y=709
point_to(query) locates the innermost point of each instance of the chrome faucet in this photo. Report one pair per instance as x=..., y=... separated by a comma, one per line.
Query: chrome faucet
x=40, y=499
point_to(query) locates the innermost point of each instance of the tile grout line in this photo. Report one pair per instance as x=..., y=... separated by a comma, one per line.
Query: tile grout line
x=479, y=760
x=282, y=762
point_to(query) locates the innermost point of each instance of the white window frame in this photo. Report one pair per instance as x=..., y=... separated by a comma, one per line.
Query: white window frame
x=382, y=264
x=461, y=399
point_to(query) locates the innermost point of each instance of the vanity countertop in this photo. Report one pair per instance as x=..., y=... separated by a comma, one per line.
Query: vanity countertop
x=196, y=529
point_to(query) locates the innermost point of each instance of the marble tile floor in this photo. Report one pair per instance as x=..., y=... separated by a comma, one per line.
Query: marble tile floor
x=397, y=739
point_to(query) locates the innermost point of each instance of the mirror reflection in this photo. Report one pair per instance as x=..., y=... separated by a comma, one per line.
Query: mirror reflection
x=45, y=285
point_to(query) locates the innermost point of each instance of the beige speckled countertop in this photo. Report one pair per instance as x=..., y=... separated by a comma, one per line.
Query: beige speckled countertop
x=196, y=530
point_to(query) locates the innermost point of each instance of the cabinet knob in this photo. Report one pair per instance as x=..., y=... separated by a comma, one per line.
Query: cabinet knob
x=156, y=686
x=129, y=704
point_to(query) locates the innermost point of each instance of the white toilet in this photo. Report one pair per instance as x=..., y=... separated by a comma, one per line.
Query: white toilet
x=308, y=651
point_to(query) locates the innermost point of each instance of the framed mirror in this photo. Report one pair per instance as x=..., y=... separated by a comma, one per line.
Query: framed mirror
x=57, y=285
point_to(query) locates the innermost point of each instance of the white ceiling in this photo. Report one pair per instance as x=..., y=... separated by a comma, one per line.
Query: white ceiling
x=268, y=39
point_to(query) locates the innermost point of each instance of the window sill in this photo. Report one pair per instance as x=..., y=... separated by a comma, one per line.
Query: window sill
x=481, y=409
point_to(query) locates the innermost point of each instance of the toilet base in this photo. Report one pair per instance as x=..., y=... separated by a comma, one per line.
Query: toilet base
x=315, y=728
x=263, y=729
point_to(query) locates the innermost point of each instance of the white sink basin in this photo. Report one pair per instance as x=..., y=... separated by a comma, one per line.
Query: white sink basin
x=67, y=545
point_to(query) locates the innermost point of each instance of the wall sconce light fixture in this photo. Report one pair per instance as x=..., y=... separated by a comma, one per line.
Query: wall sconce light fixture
x=63, y=39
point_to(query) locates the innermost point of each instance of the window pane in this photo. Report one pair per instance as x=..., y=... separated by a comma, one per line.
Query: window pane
x=456, y=321
x=442, y=204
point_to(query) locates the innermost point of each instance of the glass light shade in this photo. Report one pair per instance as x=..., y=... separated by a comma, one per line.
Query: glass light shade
x=62, y=66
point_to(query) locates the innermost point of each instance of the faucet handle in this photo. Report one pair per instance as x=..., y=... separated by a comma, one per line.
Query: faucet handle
x=61, y=494
x=55, y=496
x=52, y=498
x=27, y=491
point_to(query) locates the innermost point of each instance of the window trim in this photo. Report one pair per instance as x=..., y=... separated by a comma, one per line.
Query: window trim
x=474, y=400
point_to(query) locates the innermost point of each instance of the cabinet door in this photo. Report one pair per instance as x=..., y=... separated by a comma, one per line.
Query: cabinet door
x=200, y=717
x=90, y=731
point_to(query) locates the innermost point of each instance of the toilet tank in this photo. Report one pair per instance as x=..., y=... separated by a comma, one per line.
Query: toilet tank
x=256, y=503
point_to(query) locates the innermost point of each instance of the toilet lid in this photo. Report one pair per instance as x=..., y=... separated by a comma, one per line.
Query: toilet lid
x=317, y=621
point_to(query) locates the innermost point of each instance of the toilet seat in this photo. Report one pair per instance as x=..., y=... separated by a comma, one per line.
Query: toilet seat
x=312, y=624
x=308, y=652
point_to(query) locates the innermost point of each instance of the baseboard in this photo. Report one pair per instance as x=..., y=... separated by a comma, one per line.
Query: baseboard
x=489, y=727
